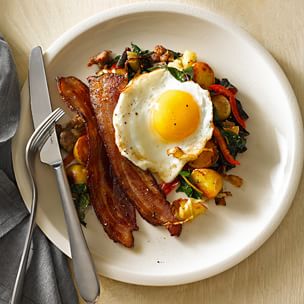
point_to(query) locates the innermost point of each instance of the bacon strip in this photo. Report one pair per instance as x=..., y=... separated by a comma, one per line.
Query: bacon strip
x=139, y=186
x=114, y=211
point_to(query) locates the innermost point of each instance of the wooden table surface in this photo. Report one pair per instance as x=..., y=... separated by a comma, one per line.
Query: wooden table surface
x=275, y=272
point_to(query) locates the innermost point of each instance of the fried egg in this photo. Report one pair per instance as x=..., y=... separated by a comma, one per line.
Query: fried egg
x=161, y=123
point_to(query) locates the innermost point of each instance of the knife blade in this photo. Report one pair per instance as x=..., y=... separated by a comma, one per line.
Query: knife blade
x=41, y=105
x=85, y=274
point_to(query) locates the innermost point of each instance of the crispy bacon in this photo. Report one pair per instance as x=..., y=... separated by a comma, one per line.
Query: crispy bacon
x=113, y=210
x=139, y=186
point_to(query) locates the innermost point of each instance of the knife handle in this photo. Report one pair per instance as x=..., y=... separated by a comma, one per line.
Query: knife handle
x=85, y=275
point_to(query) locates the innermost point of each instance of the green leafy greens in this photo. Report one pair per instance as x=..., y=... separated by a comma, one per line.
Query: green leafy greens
x=236, y=143
x=81, y=199
x=185, y=173
x=185, y=187
x=181, y=75
x=136, y=49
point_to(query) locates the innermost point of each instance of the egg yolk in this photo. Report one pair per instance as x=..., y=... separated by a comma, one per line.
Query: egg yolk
x=177, y=115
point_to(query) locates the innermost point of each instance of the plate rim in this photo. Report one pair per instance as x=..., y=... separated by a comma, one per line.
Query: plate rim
x=297, y=162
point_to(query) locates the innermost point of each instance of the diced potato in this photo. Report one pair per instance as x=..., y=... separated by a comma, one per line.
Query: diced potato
x=131, y=55
x=186, y=209
x=77, y=173
x=188, y=58
x=81, y=150
x=119, y=71
x=203, y=74
x=134, y=64
x=207, y=158
x=208, y=181
x=222, y=106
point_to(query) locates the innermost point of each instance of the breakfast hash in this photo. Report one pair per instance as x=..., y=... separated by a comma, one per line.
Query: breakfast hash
x=149, y=124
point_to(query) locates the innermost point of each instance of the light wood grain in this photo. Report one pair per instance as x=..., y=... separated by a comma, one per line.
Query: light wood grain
x=273, y=274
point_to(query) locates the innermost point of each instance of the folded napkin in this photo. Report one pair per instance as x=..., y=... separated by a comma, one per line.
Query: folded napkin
x=48, y=280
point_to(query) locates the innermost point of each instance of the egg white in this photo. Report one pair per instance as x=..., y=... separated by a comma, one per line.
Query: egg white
x=135, y=137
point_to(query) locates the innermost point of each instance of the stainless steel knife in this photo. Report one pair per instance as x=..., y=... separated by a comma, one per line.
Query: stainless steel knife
x=85, y=275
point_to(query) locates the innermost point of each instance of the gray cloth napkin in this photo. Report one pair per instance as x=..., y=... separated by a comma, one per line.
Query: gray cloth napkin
x=48, y=280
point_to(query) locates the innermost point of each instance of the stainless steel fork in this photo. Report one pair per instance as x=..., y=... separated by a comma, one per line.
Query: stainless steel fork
x=35, y=143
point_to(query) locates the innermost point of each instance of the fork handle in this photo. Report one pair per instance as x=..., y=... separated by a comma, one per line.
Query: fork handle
x=85, y=275
x=18, y=286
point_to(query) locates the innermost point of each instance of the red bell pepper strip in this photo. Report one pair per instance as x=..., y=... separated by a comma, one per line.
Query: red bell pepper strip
x=168, y=187
x=230, y=94
x=223, y=147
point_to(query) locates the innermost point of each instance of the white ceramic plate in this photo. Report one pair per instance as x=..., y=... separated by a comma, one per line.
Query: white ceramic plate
x=271, y=167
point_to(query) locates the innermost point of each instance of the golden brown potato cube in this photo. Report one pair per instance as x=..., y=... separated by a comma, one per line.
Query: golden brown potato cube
x=134, y=64
x=208, y=181
x=188, y=58
x=186, y=209
x=81, y=150
x=222, y=106
x=131, y=55
x=120, y=71
x=77, y=174
x=203, y=74
x=207, y=158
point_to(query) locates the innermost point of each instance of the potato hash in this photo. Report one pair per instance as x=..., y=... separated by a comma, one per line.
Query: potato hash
x=175, y=119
